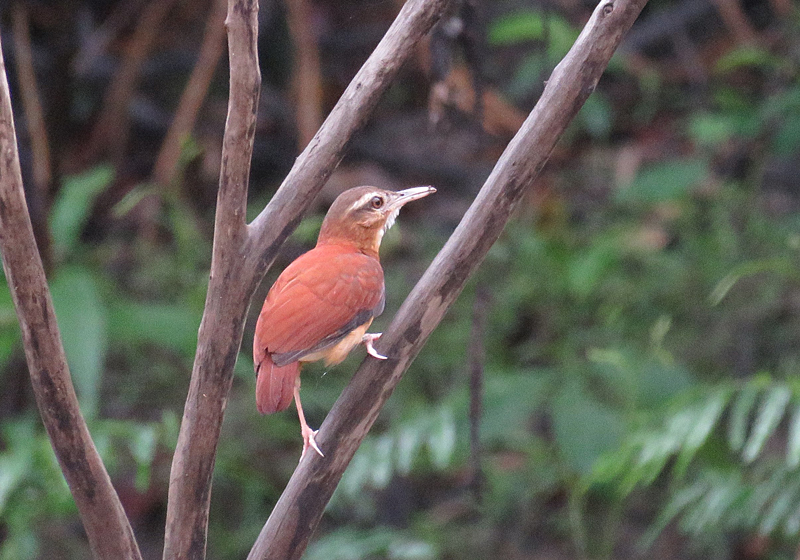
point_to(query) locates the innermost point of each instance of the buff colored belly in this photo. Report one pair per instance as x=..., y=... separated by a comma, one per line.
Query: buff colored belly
x=338, y=352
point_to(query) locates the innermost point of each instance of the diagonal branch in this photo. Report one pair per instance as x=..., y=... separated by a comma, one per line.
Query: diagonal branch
x=323, y=153
x=109, y=533
x=242, y=254
x=299, y=510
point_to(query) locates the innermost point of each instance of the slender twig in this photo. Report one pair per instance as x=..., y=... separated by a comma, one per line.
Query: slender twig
x=475, y=359
x=38, y=196
x=110, y=133
x=736, y=21
x=194, y=94
x=109, y=533
x=307, y=75
x=34, y=115
x=96, y=43
x=242, y=255
x=299, y=509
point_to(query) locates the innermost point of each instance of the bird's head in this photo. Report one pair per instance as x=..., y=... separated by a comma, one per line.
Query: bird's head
x=361, y=216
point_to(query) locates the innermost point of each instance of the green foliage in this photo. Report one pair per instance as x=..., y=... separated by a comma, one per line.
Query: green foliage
x=665, y=181
x=102, y=320
x=714, y=445
x=73, y=204
x=32, y=488
x=534, y=25
x=358, y=545
x=82, y=321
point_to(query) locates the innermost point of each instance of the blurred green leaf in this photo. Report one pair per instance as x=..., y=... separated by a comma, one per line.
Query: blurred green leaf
x=349, y=544
x=700, y=429
x=381, y=462
x=81, y=318
x=514, y=28
x=16, y=461
x=740, y=414
x=777, y=265
x=143, y=442
x=665, y=181
x=785, y=502
x=584, y=428
x=587, y=270
x=9, y=327
x=787, y=138
x=596, y=116
x=769, y=416
x=509, y=402
x=793, y=443
x=172, y=326
x=712, y=129
x=659, y=382
x=442, y=438
x=73, y=203
x=747, y=55
x=409, y=443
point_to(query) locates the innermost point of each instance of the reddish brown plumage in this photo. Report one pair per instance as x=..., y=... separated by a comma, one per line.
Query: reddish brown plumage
x=307, y=304
x=275, y=385
x=322, y=304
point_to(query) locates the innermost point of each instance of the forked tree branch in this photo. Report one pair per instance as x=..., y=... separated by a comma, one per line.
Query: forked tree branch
x=107, y=528
x=242, y=254
x=299, y=509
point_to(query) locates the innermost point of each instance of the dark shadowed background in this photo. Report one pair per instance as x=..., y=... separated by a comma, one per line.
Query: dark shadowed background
x=633, y=338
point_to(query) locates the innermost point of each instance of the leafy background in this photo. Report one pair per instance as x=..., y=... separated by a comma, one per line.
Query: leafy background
x=642, y=343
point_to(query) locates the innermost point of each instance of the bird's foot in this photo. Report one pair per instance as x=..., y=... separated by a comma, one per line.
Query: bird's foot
x=308, y=441
x=368, y=339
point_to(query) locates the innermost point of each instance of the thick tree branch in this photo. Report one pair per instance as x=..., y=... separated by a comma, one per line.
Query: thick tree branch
x=299, y=510
x=226, y=305
x=110, y=535
x=242, y=254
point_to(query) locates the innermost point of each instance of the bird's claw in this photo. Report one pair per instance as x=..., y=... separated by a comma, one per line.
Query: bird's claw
x=368, y=339
x=309, y=441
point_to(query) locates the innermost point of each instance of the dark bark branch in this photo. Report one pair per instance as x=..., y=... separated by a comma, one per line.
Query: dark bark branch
x=194, y=94
x=226, y=305
x=242, y=254
x=109, y=533
x=298, y=511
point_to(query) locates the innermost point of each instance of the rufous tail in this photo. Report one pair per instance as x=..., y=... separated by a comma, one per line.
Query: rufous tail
x=274, y=385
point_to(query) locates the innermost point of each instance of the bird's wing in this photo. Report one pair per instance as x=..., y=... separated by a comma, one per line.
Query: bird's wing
x=316, y=301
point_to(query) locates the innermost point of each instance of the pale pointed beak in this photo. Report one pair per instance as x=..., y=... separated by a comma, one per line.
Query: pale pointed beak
x=401, y=198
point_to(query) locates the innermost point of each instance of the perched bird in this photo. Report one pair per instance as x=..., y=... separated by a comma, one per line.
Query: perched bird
x=321, y=306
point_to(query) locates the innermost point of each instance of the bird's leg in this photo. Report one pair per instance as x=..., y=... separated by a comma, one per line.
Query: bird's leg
x=308, y=433
x=368, y=339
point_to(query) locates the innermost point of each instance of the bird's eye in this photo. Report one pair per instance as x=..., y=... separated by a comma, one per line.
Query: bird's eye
x=376, y=202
